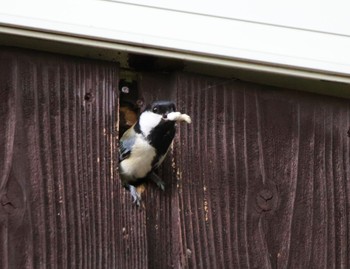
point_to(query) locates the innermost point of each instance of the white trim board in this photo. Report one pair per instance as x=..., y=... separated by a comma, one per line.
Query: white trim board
x=184, y=33
x=312, y=15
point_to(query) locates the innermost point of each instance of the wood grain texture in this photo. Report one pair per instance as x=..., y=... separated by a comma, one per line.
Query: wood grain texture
x=59, y=161
x=260, y=179
x=264, y=176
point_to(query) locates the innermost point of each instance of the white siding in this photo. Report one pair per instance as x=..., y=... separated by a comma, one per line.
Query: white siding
x=315, y=36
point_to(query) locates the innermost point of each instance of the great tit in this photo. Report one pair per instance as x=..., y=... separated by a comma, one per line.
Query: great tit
x=143, y=146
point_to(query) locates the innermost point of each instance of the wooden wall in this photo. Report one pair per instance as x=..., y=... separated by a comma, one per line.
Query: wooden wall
x=260, y=179
x=264, y=177
x=57, y=161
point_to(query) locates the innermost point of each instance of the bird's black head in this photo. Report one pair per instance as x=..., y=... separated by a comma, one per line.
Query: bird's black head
x=155, y=117
x=161, y=107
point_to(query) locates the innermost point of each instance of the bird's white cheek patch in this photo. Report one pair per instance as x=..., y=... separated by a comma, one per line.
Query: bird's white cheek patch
x=149, y=120
x=139, y=163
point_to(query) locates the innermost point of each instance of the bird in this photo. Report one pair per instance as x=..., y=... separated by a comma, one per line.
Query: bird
x=144, y=146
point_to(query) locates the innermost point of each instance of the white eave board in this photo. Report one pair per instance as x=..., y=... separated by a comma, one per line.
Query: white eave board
x=312, y=15
x=185, y=31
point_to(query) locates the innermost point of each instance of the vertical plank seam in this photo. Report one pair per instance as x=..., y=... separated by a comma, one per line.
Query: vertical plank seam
x=295, y=177
x=246, y=177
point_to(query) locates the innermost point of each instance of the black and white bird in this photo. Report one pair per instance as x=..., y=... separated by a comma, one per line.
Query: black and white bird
x=144, y=146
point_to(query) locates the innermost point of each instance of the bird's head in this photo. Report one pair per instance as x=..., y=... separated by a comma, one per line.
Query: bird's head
x=162, y=108
x=154, y=114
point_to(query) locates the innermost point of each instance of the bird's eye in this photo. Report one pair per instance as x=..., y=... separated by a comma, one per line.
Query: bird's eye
x=155, y=109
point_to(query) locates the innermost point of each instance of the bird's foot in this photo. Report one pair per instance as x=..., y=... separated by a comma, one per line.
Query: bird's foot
x=161, y=185
x=135, y=195
x=156, y=179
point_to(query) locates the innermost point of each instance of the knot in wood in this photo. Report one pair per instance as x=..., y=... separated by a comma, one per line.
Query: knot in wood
x=264, y=200
x=89, y=97
x=7, y=204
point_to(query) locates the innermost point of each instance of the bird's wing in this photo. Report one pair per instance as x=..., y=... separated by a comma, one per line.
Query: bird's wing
x=126, y=143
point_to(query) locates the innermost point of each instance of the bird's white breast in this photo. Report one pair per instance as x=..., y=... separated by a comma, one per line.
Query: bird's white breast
x=139, y=163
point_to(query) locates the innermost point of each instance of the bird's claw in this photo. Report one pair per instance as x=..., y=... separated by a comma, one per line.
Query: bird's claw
x=156, y=179
x=136, y=197
x=161, y=185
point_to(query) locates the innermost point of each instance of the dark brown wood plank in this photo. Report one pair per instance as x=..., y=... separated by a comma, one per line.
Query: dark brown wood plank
x=162, y=216
x=260, y=179
x=8, y=103
x=247, y=141
x=279, y=152
x=62, y=178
